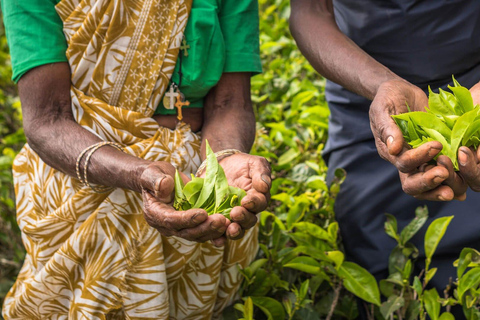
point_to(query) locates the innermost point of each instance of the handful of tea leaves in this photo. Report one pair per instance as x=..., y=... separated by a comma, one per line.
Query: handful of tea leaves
x=211, y=193
x=451, y=119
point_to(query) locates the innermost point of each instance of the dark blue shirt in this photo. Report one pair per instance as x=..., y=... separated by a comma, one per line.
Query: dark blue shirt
x=423, y=41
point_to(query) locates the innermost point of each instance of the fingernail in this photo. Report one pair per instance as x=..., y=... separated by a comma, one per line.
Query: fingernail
x=249, y=205
x=235, y=234
x=198, y=218
x=215, y=226
x=267, y=180
x=441, y=198
x=389, y=141
x=462, y=158
x=241, y=217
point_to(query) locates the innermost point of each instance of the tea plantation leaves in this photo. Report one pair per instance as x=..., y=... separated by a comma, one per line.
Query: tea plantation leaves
x=450, y=118
x=211, y=193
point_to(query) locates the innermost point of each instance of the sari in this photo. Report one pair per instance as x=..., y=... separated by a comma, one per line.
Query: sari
x=91, y=255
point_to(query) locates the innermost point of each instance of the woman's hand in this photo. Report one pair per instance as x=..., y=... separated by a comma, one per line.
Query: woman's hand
x=158, y=186
x=252, y=174
x=428, y=182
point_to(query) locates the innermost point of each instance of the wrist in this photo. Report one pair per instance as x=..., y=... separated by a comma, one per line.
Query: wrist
x=392, y=82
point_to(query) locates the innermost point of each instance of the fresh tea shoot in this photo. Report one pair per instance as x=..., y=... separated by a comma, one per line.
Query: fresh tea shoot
x=211, y=193
x=451, y=119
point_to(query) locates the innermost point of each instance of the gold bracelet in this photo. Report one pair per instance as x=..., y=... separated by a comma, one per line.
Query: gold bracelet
x=226, y=152
x=92, y=149
x=79, y=160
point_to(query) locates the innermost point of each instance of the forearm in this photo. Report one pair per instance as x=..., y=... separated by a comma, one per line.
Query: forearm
x=333, y=54
x=58, y=139
x=229, y=120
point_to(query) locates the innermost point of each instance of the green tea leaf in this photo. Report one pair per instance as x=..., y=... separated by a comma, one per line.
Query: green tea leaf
x=304, y=264
x=270, y=307
x=436, y=105
x=434, y=234
x=391, y=305
x=470, y=280
x=192, y=189
x=464, y=98
x=460, y=129
x=391, y=227
x=360, y=282
x=432, y=304
x=446, y=316
x=467, y=256
x=210, y=178
x=337, y=257
x=221, y=188
x=421, y=216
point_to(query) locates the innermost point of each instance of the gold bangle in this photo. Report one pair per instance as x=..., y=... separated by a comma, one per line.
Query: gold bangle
x=92, y=149
x=79, y=159
x=224, y=153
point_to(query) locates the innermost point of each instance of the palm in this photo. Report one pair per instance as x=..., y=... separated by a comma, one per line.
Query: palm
x=237, y=170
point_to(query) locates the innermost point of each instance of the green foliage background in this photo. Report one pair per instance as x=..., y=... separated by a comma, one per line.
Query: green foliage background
x=300, y=271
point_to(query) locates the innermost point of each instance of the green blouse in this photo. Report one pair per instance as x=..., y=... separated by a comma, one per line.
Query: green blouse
x=222, y=34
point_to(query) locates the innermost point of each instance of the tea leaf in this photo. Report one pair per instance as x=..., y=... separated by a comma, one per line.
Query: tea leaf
x=434, y=234
x=270, y=307
x=432, y=304
x=360, y=282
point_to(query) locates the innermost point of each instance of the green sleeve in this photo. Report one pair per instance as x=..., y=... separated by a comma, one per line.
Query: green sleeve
x=34, y=34
x=240, y=28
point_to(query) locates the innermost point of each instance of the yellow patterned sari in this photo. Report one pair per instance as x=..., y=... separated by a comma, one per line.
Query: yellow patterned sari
x=93, y=256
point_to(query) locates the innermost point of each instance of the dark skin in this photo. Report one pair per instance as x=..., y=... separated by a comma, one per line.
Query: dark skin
x=339, y=59
x=45, y=95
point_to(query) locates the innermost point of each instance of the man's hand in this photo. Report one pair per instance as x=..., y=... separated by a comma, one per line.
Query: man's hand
x=158, y=186
x=423, y=181
x=468, y=159
x=252, y=174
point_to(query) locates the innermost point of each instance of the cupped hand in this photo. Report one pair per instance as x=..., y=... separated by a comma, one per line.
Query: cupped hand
x=419, y=178
x=158, y=187
x=252, y=174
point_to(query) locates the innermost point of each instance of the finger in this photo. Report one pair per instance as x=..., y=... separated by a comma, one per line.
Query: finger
x=158, y=214
x=420, y=182
x=212, y=228
x=243, y=217
x=441, y=193
x=235, y=231
x=254, y=201
x=212, y=236
x=469, y=170
x=454, y=180
x=384, y=127
x=160, y=185
x=220, y=242
x=410, y=160
x=260, y=172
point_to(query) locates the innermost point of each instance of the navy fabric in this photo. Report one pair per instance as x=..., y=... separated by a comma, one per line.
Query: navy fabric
x=424, y=42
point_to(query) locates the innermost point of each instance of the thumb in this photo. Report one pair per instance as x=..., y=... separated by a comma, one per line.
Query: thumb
x=158, y=184
x=393, y=138
x=385, y=129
